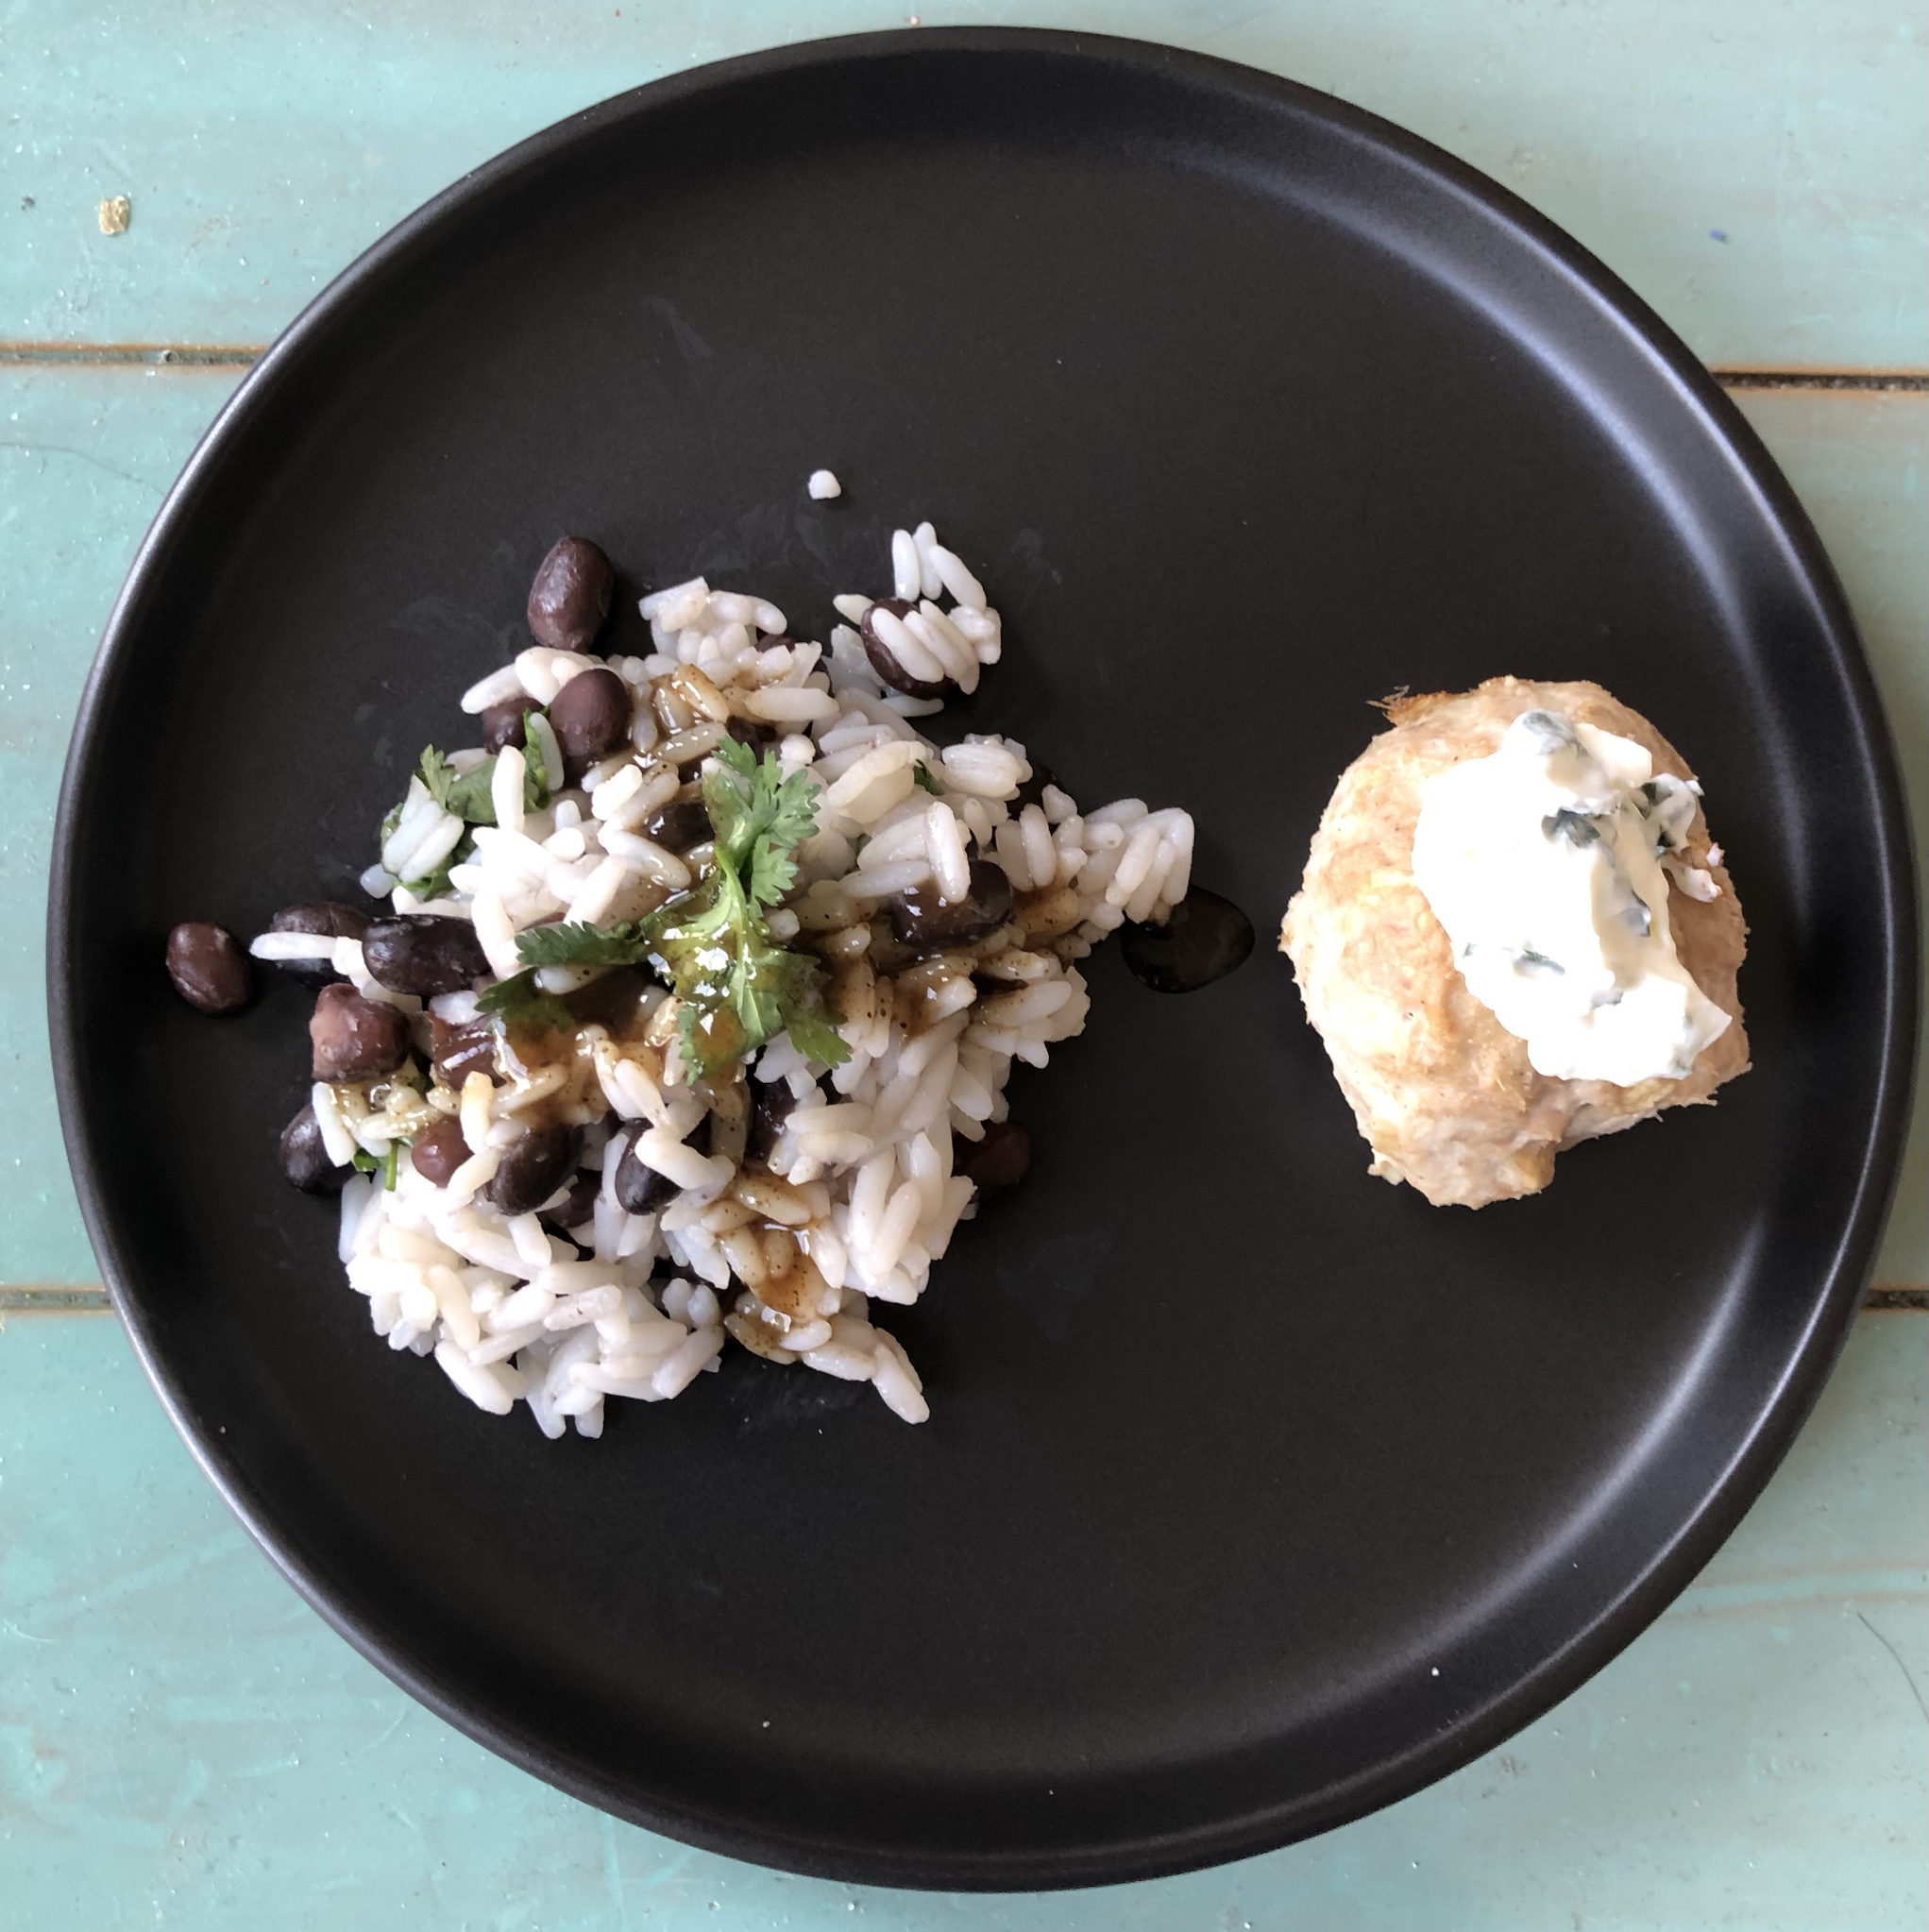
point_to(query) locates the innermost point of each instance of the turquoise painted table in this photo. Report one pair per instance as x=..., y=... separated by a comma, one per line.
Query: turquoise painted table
x=181, y=1740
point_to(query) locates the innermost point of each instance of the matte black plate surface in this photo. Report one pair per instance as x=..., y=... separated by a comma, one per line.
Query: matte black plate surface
x=1258, y=1492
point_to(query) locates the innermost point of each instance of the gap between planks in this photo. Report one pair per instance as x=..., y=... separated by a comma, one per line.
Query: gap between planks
x=237, y=355
x=241, y=355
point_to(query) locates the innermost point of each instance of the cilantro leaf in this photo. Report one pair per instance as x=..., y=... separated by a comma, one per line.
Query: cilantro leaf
x=436, y=773
x=793, y=819
x=542, y=757
x=518, y=1001
x=816, y=1037
x=759, y=816
x=711, y=1036
x=471, y=798
x=568, y=944
x=811, y=1024
x=471, y=795
x=433, y=885
x=467, y=794
x=772, y=872
x=730, y=790
x=921, y=772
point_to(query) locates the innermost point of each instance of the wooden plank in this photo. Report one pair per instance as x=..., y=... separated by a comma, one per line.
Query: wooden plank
x=182, y=1742
x=1861, y=466
x=1758, y=173
x=87, y=452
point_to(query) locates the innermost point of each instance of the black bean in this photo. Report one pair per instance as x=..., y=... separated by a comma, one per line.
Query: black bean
x=436, y=1152
x=884, y=660
x=502, y=724
x=354, y=1039
x=460, y=1050
x=590, y=716
x=770, y=1107
x=305, y=1156
x=422, y=954
x=919, y=918
x=579, y=1208
x=677, y=826
x=533, y=1168
x=1033, y=791
x=1001, y=1159
x=326, y=918
x=208, y=967
x=640, y=1189
x=570, y=596
x=748, y=732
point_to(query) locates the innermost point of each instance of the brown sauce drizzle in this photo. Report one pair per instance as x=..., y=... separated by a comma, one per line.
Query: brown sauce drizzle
x=1205, y=939
x=612, y=1003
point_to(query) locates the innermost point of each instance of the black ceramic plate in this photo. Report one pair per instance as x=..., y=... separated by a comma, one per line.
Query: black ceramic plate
x=1257, y=1493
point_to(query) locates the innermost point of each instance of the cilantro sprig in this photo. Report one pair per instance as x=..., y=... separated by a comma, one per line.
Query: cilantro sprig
x=712, y=944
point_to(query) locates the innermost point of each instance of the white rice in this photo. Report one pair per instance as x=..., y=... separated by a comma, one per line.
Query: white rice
x=860, y=1196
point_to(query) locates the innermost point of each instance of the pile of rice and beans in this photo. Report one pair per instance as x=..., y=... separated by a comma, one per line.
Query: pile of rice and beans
x=704, y=980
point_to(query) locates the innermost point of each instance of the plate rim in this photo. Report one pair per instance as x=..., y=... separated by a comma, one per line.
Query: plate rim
x=1775, y=1423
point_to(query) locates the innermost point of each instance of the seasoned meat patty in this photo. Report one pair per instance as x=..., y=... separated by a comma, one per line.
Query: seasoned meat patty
x=1446, y=1097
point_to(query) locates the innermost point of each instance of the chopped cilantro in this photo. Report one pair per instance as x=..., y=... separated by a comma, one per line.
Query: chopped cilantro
x=363, y=1161
x=390, y=1161
x=540, y=751
x=470, y=796
x=921, y=772
x=433, y=885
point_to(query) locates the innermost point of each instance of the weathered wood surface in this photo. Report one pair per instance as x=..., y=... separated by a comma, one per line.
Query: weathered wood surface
x=1756, y=168
x=183, y=1743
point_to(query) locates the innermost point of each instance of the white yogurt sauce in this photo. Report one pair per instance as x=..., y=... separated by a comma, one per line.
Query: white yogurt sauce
x=1544, y=864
